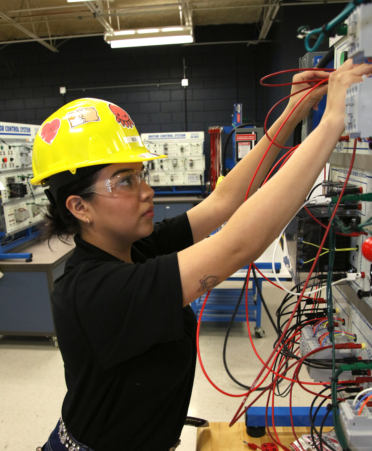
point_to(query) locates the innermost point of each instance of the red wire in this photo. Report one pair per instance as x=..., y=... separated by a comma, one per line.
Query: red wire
x=253, y=388
x=277, y=133
x=272, y=283
x=199, y=356
x=277, y=163
x=268, y=280
x=251, y=339
x=285, y=161
x=254, y=348
x=363, y=405
x=254, y=176
x=291, y=416
x=271, y=110
x=293, y=83
x=237, y=415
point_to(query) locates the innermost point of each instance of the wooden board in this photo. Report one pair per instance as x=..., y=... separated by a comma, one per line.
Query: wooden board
x=219, y=437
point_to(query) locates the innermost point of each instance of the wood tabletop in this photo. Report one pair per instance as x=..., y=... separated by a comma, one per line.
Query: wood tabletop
x=219, y=437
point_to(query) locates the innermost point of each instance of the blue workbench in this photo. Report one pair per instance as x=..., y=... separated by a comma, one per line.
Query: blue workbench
x=222, y=301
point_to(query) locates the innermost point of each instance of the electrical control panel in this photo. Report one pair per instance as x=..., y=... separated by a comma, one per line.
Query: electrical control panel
x=185, y=162
x=358, y=118
x=360, y=33
x=358, y=125
x=351, y=299
x=304, y=234
x=22, y=205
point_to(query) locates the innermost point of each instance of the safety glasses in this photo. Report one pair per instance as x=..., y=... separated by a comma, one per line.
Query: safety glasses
x=122, y=184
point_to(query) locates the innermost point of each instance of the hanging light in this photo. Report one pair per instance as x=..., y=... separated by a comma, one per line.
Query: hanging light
x=150, y=36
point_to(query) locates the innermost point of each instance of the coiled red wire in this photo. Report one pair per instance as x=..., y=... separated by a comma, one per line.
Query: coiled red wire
x=276, y=352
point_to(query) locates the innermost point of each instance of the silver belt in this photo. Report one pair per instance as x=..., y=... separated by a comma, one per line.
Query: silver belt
x=175, y=446
x=66, y=439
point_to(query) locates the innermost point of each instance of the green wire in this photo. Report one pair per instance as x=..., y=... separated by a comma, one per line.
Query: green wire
x=366, y=197
x=330, y=26
x=331, y=259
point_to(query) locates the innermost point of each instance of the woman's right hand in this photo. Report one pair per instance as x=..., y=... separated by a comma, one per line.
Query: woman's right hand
x=339, y=81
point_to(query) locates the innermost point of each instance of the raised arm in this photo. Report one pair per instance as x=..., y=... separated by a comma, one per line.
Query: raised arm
x=229, y=195
x=258, y=221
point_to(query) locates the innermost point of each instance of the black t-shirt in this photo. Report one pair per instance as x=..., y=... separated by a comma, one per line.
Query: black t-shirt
x=127, y=342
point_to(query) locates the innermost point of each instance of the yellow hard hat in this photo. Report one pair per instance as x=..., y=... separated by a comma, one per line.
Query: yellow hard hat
x=86, y=132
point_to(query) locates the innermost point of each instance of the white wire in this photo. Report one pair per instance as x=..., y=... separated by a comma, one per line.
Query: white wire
x=360, y=394
x=273, y=262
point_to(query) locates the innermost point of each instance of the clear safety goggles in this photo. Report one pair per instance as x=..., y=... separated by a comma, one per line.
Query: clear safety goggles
x=121, y=184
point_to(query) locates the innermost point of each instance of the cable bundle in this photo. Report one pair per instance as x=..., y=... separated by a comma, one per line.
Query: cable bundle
x=284, y=363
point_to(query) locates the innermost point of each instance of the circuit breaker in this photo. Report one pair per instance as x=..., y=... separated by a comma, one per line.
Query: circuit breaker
x=185, y=162
x=21, y=203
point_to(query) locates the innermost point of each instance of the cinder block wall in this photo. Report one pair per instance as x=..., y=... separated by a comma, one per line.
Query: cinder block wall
x=219, y=76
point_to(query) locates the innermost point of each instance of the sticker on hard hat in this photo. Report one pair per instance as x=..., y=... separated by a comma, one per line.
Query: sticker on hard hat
x=49, y=130
x=122, y=117
x=148, y=155
x=82, y=116
x=133, y=139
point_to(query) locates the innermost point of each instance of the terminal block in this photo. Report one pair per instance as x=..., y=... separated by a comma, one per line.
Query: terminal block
x=357, y=428
x=358, y=117
x=360, y=33
x=309, y=342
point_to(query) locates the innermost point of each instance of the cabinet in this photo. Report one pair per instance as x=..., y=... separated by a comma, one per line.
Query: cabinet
x=25, y=307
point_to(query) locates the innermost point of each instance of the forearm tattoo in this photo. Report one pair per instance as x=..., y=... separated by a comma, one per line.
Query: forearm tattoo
x=207, y=283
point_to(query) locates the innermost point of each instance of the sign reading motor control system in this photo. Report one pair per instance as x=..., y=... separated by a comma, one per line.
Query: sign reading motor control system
x=245, y=140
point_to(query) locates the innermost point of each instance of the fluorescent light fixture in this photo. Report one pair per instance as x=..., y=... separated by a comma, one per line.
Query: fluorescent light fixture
x=150, y=36
x=124, y=32
x=148, y=30
x=167, y=30
x=76, y=1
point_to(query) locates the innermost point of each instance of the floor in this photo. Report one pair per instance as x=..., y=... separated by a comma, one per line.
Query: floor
x=32, y=385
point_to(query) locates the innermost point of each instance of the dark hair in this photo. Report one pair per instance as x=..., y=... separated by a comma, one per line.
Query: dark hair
x=60, y=222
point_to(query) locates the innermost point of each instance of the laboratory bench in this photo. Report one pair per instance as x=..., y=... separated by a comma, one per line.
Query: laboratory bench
x=25, y=288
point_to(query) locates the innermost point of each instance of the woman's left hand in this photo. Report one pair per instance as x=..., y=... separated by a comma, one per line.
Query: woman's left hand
x=307, y=79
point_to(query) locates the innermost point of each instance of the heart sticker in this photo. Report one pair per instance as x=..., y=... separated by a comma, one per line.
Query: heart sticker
x=50, y=130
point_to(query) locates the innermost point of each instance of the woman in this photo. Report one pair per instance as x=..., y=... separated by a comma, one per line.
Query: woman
x=121, y=310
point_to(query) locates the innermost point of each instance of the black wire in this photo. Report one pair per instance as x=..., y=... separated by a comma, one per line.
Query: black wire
x=321, y=430
x=263, y=300
x=312, y=419
x=287, y=352
x=227, y=337
x=314, y=363
x=224, y=151
x=327, y=58
x=231, y=322
x=311, y=192
x=280, y=380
